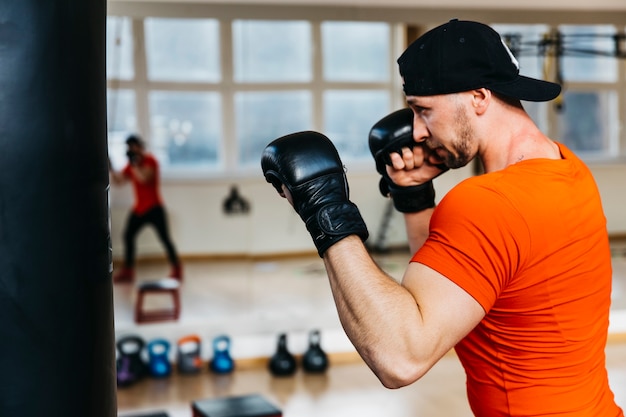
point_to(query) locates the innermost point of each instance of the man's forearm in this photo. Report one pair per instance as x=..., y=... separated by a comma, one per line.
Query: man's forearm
x=143, y=174
x=380, y=316
x=417, y=228
x=117, y=177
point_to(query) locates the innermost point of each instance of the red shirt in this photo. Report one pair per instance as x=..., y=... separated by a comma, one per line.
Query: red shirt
x=529, y=243
x=147, y=194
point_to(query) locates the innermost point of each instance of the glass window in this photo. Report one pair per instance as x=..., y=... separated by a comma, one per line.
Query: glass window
x=587, y=122
x=524, y=42
x=183, y=50
x=583, y=47
x=348, y=117
x=186, y=128
x=264, y=116
x=121, y=122
x=119, y=48
x=356, y=51
x=272, y=51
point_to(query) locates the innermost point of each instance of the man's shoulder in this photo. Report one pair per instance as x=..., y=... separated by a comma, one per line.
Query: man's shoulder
x=150, y=159
x=486, y=193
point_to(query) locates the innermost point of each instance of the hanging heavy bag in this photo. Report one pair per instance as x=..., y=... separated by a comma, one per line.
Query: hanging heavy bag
x=158, y=354
x=315, y=359
x=282, y=363
x=222, y=362
x=188, y=358
x=130, y=366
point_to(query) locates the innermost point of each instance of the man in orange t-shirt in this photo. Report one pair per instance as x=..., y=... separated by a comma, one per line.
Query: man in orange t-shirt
x=529, y=244
x=142, y=171
x=512, y=268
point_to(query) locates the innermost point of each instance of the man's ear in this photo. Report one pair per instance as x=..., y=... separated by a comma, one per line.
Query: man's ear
x=481, y=98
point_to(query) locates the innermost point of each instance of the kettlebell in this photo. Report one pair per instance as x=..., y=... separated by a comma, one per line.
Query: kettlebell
x=222, y=362
x=315, y=359
x=188, y=354
x=158, y=358
x=130, y=366
x=282, y=363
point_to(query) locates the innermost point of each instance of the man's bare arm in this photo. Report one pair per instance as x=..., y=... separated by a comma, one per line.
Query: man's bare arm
x=417, y=228
x=400, y=330
x=144, y=173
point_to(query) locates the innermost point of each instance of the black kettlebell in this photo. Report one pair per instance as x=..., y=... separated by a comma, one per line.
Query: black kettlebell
x=188, y=354
x=130, y=366
x=315, y=359
x=282, y=363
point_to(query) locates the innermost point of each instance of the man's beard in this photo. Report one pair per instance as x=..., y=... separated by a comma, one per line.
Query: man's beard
x=462, y=146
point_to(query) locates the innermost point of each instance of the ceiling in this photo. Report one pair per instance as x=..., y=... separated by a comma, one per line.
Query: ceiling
x=569, y=5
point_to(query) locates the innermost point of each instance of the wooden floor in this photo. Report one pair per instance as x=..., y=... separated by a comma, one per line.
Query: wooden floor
x=346, y=389
x=253, y=301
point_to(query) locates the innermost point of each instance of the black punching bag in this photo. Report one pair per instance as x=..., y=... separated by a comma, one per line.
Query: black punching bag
x=57, y=351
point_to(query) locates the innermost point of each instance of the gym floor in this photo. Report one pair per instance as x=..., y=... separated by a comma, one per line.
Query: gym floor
x=252, y=301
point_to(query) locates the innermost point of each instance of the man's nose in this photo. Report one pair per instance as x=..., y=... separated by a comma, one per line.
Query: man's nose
x=420, y=132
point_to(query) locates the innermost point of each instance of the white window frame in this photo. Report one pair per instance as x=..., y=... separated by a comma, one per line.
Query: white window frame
x=401, y=19
x=227, y=87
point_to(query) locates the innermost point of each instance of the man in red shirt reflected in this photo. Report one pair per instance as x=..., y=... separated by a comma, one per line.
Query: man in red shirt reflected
x=142, y=170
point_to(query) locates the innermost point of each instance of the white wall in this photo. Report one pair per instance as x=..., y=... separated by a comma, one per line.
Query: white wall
x=428, y=4
x=200, y=228
x=611, y=181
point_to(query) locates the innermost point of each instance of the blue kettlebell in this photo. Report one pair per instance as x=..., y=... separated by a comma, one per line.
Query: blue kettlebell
x=222, y=362
x=158, y=358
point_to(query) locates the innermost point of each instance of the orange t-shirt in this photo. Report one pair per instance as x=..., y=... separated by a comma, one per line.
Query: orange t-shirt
x=146, y=194
x=530, y=244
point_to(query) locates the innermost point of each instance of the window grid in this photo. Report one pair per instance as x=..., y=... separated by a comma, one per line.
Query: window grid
x=227, y=88
x=574, y=72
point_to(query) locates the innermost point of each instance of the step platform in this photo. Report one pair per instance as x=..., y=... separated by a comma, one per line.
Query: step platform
x=253, y=405
x=167, y=286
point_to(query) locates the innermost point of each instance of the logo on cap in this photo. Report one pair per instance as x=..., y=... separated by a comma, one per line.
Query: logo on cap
x=513, y=59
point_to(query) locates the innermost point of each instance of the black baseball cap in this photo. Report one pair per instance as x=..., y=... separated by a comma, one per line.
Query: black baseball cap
x=463, y=55
x=134, y=139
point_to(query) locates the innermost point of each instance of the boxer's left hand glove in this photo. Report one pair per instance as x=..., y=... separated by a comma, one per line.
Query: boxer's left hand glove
x=390, y=134
x=308, y=165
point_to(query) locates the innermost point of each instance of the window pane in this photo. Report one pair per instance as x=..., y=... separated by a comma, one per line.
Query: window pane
x=186, y=128
x=121, y=121
x=119, y=44
x=264, y=116
x=272, y=51
x=349, y=116
x=183, y=50
x=587, y=122
x=581, y=45
x=356, y=51
x=524, y=40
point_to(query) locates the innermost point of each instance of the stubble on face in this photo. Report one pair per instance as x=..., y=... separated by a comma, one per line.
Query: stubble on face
x=460, y=155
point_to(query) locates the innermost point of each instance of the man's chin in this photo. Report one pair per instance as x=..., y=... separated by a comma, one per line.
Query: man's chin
x=456, y=163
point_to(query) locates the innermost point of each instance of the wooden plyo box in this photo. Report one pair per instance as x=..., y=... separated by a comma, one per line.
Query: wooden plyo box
x=253, y=405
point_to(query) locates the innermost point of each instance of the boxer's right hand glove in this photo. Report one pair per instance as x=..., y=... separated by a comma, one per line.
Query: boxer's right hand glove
x=390, y=134
x=308, y=165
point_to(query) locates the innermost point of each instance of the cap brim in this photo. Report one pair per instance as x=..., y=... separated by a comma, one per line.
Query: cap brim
x=528, y=89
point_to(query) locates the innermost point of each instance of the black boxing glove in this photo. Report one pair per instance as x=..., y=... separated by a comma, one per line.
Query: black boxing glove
x=133, y=158
x=308, y=164
x=390, y=134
